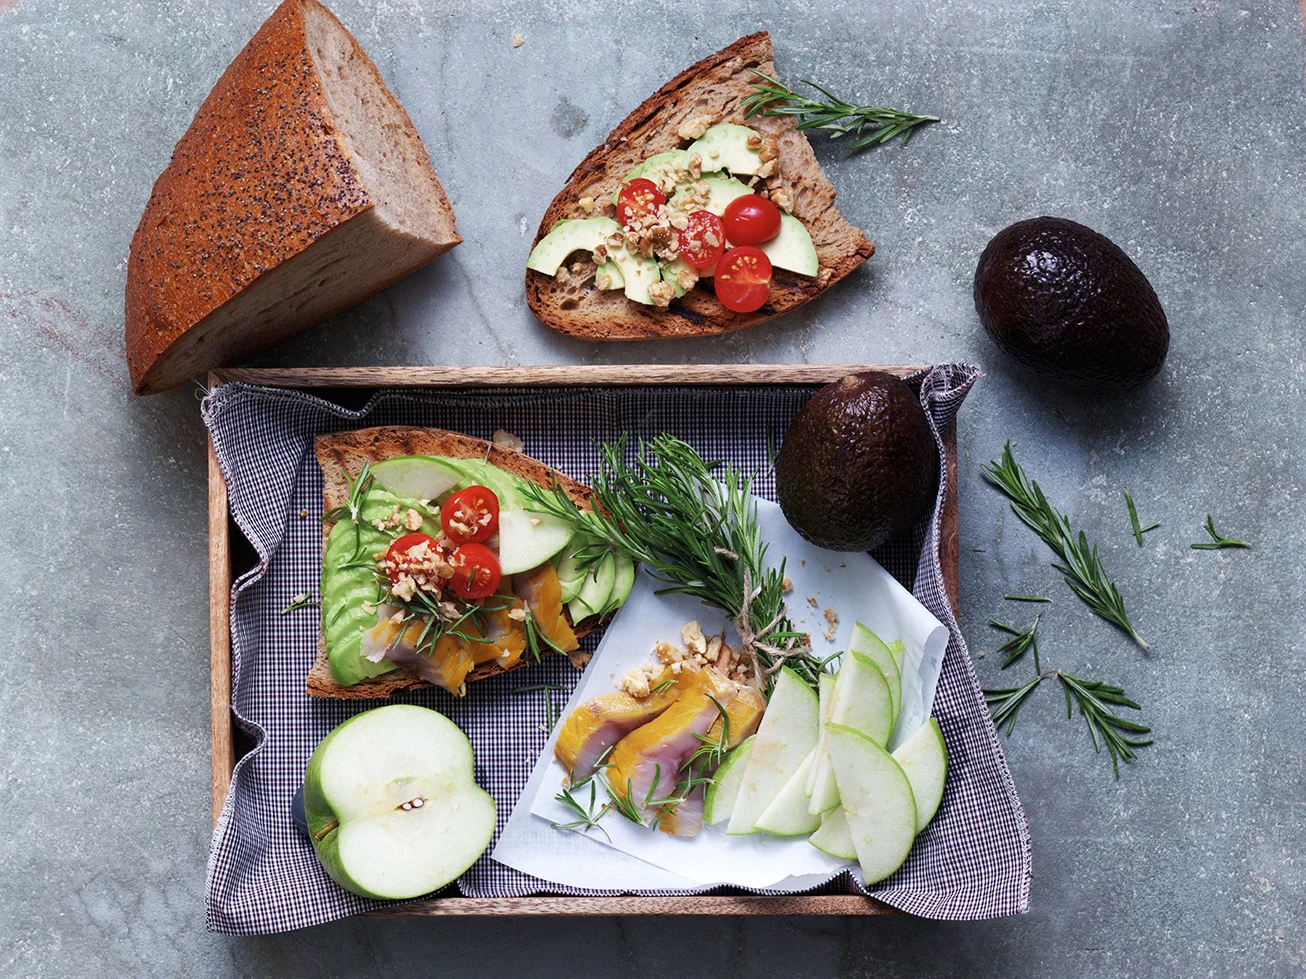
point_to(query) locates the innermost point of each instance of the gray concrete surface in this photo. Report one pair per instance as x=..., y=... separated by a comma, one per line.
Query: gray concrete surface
x=1179, y=129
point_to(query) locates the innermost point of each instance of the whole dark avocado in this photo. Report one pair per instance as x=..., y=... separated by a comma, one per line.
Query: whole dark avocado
x=859, y=465
x=1068, y=304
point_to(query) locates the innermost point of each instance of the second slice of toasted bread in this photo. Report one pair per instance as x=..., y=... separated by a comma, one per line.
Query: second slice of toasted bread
x=342, y=456
x=716, y=88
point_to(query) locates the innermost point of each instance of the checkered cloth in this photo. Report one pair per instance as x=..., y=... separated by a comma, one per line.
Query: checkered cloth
x=973, y=861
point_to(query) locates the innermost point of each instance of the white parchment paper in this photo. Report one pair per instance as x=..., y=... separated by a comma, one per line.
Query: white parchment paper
x=632, y=858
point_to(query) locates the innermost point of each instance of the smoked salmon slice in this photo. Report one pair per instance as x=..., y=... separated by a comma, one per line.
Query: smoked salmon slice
x=596, y=725
x=652, y=762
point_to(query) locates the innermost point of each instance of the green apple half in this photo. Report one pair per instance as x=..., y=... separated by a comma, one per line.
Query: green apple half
x=393, y=809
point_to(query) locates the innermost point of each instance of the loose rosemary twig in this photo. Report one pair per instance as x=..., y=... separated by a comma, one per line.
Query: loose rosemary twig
x=693, y=526
x=1081, y=567
x=870, y=125
x=1023, y=642
x=1138, y=530
x=588, y=818
x=1218, y=541
x=302, y=600
x=1096, y=701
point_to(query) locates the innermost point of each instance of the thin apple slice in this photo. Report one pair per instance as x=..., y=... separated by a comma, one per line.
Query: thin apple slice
x=862, y=700
x=867, y=643
x=787, y=814
x=924, y=757
x=392, y=806
x=719, y=800
x=787, y=733
x=834, y=837
x=877, y=801
x=528, y=539
x=899, y=651
x=416, y=477
x=623, y=581
x=824, y=794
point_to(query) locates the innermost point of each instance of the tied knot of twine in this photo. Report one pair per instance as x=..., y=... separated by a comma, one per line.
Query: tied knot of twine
x=754, y=639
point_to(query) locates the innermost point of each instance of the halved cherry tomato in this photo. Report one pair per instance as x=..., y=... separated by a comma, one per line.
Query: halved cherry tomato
x=396, y=555
x=476, y=571
x=743, y=279
x=751, y=220
x=471, y=514
x=638, y=198
x=703, y=240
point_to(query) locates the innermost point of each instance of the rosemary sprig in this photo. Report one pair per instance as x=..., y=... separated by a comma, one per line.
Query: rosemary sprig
x=358, y=490
x=692, y=525
x=1095, y=699
x=868, y=124
x=1081, y=567
x=659, y=687
x=1026, y=598
x=302, y=600
x=1218, y=541
x=1133, y=519
x=623, y=804
x=1022, y=643
x=587, y=819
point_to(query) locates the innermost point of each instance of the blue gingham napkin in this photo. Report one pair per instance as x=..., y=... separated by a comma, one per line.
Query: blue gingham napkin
x=973, y=861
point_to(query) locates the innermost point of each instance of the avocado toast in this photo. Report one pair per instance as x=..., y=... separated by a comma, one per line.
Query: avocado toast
x=594, y=300
x=396, y=614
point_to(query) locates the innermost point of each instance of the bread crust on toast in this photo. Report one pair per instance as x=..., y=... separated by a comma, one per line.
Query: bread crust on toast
x=715, y=86
x=342, y=456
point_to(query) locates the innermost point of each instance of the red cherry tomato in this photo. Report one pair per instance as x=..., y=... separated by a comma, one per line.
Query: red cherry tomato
x=743, y=279
x=751, y=220
x=476, y=571
x=703, y=240
x=471, y=514
x=638, y=198
x=396, y=557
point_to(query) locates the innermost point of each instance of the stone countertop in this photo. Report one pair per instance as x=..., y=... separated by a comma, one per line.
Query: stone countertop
x=1179, y=130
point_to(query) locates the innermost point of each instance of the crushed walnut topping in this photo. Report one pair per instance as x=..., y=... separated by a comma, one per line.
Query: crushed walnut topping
x=586, y=204
x=507, y=440
x=783, y=198
x=813, y=602
x=831, y=616
x=787, y=585
x=754, y=140
x=695, y=127
x=662, y=293
x=412, y=520
x=517, y=614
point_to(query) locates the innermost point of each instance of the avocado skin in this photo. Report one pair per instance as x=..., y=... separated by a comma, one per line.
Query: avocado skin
x=1071, y=306
x=859, y=465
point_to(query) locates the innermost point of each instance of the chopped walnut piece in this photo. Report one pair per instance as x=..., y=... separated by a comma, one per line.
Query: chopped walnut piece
x=769, y=169
x=405, y=588
x=586, y=204
x=694, y=127
x=668, y=653
x=518, y=40
x=412, y=520
x=662, y=293
x=783, y=198
x=691, y=634
x=769, y=150
x=635, y=683
x=831, y=616
x=787, y=584
x=753, y=141
x=813, y=602
x=517, y=614
x=578, y=658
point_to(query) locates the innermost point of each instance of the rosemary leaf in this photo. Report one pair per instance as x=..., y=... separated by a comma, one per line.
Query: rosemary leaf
x=1218, y=541
x=1026, y=598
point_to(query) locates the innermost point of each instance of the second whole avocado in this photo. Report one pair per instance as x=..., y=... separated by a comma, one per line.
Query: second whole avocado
x=859, y=465
x=1071, y=306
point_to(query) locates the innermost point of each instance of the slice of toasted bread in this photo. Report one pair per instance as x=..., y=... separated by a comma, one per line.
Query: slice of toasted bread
x=716, y=88
x=300, y=188
x=342, y=456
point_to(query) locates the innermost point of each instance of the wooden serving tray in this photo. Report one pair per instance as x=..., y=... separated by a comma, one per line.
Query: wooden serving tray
x=223, y=532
